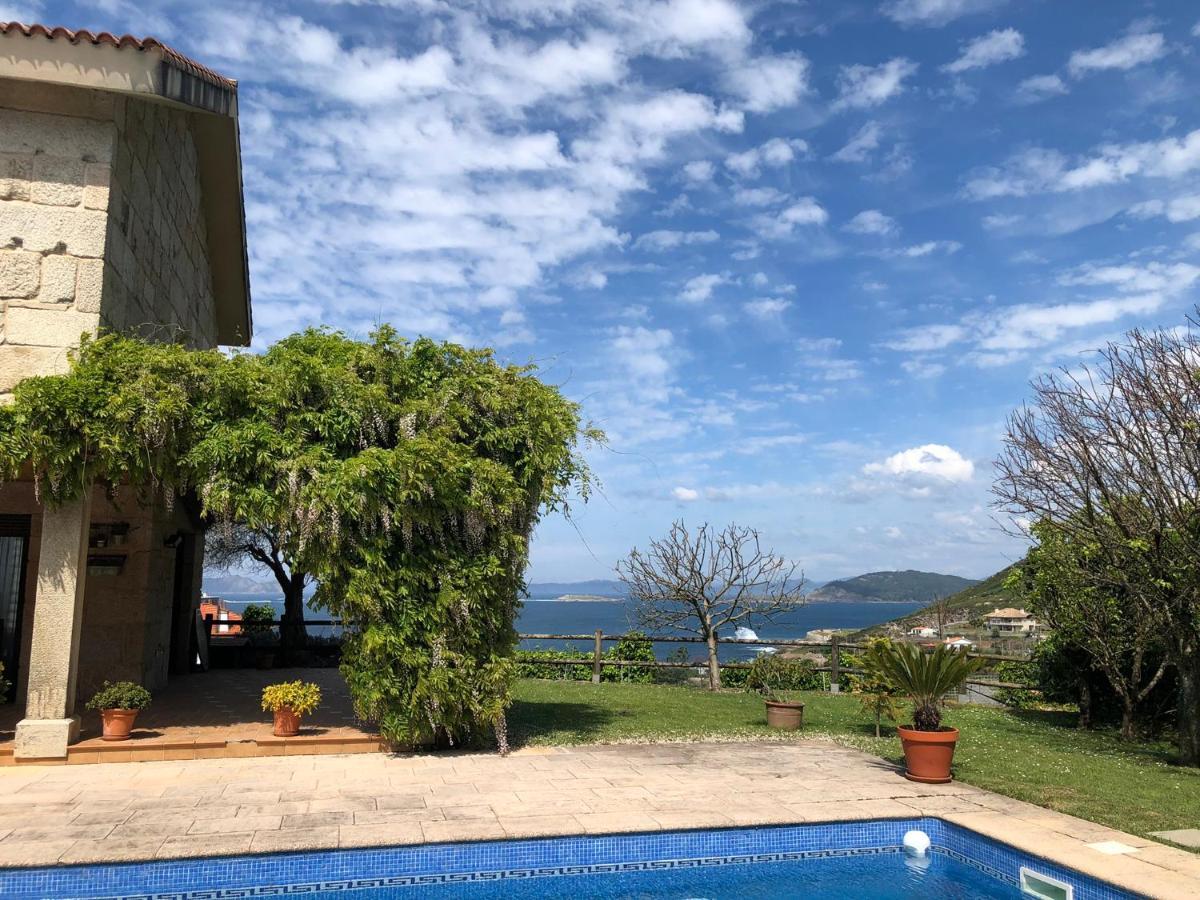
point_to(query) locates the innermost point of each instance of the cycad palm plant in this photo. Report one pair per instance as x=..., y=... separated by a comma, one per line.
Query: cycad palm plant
x=927, y=678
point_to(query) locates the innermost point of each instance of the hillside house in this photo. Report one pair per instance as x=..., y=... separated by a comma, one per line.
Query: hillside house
x=120, y=208
x=1010, y=621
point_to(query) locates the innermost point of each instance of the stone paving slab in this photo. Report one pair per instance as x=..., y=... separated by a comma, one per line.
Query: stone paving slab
x=213, y=807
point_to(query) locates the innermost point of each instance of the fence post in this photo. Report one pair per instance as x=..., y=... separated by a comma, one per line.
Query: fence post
x=596, y=658
x=835, y=665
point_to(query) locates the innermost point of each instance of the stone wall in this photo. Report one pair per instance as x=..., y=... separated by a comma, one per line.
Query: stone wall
x=157, y=279
x=54, y=174
x=100, y=225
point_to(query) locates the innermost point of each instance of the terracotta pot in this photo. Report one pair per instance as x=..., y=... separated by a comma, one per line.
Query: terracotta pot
x=287, y=723
x=928, y=754
x=117, y=723
x=788, y=716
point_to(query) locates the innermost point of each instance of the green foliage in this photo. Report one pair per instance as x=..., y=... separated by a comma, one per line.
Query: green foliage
x=406, y=478
x=633, y=647
x=774, y=677
x=257, y=618
x=302, y=697
x=925, y=678
x=875, y=691
x=120, y=695
x=5, y=684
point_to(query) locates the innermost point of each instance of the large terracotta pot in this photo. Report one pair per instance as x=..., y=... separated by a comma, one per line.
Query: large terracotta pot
x=928, y=754
x=788, y=716
x=117, y=723
x=287, y=723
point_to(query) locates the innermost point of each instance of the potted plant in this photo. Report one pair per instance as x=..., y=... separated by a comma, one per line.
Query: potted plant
x=289, y=701
x=257, y=623
x=927, y=679
x=775, y=677
x=119, y=705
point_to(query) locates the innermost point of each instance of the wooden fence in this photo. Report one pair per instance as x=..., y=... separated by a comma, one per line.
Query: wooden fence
x=598, y=638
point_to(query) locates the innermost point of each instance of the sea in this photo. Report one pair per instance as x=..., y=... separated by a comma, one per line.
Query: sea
x=548, y=615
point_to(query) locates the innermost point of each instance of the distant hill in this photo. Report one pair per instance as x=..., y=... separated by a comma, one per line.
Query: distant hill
x=599, y=587
x=238, y=584
x=969, y=603
x=908, y=586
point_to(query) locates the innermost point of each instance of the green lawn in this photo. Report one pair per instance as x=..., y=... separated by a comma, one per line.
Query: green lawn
x=1033, y=756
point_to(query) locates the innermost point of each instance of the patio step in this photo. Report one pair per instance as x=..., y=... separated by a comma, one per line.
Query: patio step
x=94, y=750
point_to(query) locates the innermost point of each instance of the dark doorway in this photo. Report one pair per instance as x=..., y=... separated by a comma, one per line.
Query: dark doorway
x=14, y=554
x=183, y=631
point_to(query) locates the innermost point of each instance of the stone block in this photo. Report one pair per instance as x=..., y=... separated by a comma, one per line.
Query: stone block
x=19, y=274
x=48, y=229
x=69, y=136
x=57, y=180
x=45, y=738
x=18, y=363
x=47, y=327
x=89, y=285
x=58, y=279
x=16, y=171
x=96, y=180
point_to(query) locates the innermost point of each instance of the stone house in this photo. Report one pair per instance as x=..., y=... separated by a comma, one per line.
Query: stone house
x=120, y=209
x=1011, y=621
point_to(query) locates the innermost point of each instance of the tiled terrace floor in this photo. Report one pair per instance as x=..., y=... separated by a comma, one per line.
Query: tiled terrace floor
x=219, y=713
x=152, y=810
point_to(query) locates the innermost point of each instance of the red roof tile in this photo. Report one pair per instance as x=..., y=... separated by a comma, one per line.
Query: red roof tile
x=121, y=42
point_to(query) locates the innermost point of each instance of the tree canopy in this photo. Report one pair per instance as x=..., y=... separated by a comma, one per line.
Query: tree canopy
x=406, y=477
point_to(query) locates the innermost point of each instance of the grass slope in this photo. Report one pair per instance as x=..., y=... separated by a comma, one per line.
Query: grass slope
x=1037, y=757
x=970, y=603
x=909, y=586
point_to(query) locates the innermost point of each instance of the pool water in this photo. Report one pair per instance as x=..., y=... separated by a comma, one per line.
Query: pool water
x=889, y=876
x=816, y=861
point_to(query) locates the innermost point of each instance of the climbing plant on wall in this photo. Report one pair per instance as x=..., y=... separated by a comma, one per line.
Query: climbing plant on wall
x=406, y=476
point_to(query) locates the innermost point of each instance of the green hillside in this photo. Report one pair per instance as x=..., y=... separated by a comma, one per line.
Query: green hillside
x=970, y=603
x=907, y=586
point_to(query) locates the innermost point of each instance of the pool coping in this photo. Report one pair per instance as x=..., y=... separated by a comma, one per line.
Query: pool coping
x=648, y=802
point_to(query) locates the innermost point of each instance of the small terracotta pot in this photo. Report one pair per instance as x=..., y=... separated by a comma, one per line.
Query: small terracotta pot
x=928, y=754
x=287, y=723
x=117, y=723
x=787, y=716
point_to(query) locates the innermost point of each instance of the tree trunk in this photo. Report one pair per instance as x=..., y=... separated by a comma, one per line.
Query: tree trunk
x=714, y=668
x=878, y=715
x=1127, y=733
x=293, y=637
x=1188, y=715
x=1085, y=704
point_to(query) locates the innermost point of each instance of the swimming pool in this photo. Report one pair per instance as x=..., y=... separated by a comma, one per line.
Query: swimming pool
x=824, y=862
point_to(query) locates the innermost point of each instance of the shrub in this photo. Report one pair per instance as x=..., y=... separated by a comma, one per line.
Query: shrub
x=926, y=678
x=533, y=664
x=121, y=695
x=773, y=676
x=257, y=619
x=875, y=691
x=302, y=697
x=4, y=683
x=633, y=646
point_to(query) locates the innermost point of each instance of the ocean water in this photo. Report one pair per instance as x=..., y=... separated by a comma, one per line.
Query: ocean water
x=549, y=616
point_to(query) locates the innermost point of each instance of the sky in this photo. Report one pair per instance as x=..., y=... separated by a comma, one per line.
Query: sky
x=798, y=260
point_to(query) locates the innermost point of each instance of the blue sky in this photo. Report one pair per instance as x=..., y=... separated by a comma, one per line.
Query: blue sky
x=799, y=260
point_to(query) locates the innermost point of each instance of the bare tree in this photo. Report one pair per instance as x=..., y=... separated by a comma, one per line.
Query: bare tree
x=1110, y=455
x=228, y=547
x=939, y=613
x=709, y=580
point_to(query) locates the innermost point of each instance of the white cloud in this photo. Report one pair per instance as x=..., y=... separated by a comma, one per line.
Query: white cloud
x=805, y=211
x=871, y=221
x=659, y=241
x=926, y=248
x=1038, y=170
x=893, y=533
x=860, y=87
x=1154, y=276
x=767, y=307
x=685, y=494
x=994, y=47
x=1184, y=208
x=860, y=147
x=932, y=461
x=927, y=337
x=700, y=288
x=766, y=196
x=699, y=171
x=1122, y=54
x=767, y=83
x=923, y=368
x=1040, y=87
x=933, y=12
x=774, y=153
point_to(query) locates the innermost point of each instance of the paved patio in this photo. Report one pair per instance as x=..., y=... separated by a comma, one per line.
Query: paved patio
x=92, y=813
x=218, y=714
